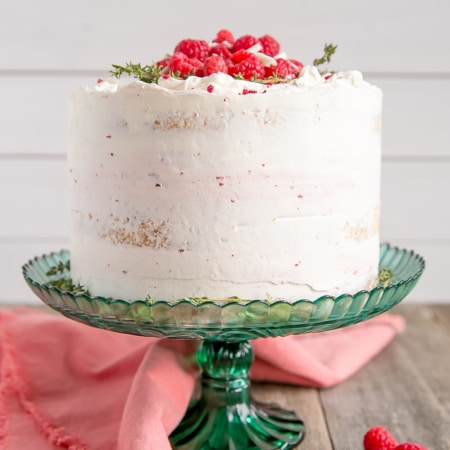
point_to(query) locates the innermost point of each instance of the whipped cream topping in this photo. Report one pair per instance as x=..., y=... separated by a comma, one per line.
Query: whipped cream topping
x=225, y=84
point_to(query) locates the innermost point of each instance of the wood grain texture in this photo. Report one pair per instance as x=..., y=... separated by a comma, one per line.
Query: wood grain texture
x=405, y=389
x=306, y=404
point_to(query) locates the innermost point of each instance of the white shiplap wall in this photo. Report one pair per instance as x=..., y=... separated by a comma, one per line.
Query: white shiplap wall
x=50, y=47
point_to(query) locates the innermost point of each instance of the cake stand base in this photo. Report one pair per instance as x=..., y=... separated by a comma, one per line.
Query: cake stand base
x=224, y=417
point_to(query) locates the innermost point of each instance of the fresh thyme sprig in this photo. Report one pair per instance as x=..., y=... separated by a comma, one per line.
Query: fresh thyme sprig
x=60, y=268
x=148, y=74
x=328, y=51
x=385, y=277
x=65, y=283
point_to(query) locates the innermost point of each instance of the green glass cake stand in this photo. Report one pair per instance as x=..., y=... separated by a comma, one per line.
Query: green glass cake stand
x=224, y=416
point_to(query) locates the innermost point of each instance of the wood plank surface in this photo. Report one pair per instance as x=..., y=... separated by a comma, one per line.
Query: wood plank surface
x=305, y=402
x=383, y=35
x=34, y=196
x=413, y=199
x=405, y=388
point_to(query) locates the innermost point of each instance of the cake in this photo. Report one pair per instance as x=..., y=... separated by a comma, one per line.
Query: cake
x=225, y=176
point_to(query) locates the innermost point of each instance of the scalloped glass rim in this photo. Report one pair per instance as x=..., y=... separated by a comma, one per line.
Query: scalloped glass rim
x=230, y=320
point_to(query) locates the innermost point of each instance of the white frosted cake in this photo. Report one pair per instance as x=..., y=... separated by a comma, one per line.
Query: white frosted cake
x=221, y=187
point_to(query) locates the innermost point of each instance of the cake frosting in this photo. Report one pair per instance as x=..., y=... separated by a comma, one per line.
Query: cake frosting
x=223, y=188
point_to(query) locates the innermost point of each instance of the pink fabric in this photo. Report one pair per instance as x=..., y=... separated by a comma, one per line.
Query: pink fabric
x=64, y=385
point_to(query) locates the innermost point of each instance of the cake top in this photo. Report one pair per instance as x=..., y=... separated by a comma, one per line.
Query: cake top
x=227, y=66
x=245, y=58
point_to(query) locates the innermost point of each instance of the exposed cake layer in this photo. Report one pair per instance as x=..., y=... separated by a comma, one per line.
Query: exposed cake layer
x=179, y=190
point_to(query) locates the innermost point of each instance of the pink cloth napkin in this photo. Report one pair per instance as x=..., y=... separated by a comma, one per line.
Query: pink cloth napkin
x=65, y=385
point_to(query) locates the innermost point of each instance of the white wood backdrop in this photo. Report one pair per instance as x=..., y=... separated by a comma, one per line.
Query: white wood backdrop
x=50, y=47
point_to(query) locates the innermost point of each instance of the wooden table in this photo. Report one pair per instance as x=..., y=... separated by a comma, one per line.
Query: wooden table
x=406, y=389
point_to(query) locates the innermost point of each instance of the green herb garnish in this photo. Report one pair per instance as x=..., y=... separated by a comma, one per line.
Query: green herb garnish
x=385, y=277
x=65, y=283
x=196, y=300
x=148, y=74
x=150, y=300
x=151, y=73
x=60, y=268
x=328, y=52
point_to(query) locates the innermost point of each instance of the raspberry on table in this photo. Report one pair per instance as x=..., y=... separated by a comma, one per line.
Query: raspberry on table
x=193, y=48
x=270, y=45
x=410, y=446
x=378, y=438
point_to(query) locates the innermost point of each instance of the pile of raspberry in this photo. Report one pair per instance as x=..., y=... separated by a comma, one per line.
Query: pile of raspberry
x=379, y=438
x=248, y=57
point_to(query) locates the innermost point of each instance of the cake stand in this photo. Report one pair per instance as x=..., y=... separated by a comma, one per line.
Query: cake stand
x=223, y=416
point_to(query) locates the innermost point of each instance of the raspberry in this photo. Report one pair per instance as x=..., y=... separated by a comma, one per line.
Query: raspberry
x=224, y=36
x=193, y=48
x=226, y=54
x=244, y=42
x=270, y=46
x=410, y=446
x=239, y=56
x=184, y=66
x=221, y=50
x=214, y=64
x=378, y=438
x=297, y=66
x=250, y=68
x=163, y=63
x=275, y=71
x=284, y=69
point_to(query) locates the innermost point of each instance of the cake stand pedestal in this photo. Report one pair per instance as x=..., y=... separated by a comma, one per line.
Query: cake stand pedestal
x=224, y=416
